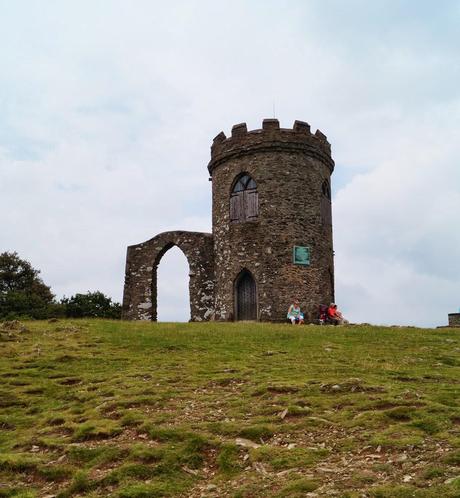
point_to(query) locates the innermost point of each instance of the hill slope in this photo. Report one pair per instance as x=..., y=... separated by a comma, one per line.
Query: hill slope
x=100, y=408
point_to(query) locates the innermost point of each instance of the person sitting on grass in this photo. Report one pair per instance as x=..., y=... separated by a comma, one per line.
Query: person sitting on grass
x=334, y=315
x=294, y=314
x=323, y=315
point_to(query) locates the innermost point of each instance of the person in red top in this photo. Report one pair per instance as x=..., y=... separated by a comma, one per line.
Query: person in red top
x=334, y=315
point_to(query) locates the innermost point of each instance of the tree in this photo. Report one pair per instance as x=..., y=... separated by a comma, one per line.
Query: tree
x=91, y=304
x=22, y=291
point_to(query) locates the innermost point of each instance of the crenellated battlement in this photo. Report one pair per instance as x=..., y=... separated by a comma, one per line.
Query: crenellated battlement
x=270, y=137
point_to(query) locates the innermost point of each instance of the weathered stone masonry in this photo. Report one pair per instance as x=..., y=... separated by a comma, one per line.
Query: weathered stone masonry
x=454, y=319
x=140, y=294
x=291, y=169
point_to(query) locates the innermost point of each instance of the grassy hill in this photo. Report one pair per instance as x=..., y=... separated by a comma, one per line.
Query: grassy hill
x=100, y=408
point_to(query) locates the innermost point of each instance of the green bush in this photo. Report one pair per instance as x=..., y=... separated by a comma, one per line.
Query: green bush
x=91, y=305
x=22, y=291
x=24, y=295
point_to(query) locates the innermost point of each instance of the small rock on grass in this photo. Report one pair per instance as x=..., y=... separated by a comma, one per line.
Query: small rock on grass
x=282, y=415
x=259, y=467
x=190, y=471
x=287, y=471
x=246, y=443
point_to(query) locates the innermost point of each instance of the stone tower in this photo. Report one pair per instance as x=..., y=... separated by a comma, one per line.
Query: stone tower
x=289, y=207
x=272, y=231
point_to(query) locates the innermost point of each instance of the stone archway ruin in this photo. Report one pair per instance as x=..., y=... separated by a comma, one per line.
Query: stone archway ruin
x=140, y=297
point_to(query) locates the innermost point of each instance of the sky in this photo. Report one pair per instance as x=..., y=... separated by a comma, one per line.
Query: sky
x=108, y=109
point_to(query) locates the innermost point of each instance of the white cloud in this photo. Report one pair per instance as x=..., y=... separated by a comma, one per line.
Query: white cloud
x=395, y=227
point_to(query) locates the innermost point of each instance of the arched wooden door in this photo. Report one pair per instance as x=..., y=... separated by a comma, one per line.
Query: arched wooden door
x=246, y=297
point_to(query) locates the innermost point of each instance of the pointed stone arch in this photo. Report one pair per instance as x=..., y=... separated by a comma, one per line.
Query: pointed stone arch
x=173, y=292
x=140, y=292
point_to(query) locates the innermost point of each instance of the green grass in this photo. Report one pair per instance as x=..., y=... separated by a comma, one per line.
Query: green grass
x=102, y=408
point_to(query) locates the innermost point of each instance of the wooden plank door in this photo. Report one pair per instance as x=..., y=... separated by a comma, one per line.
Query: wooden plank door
x=246, y=298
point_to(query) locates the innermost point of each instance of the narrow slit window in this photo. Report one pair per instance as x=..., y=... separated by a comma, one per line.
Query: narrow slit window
x=326, y=189
x=326, y=214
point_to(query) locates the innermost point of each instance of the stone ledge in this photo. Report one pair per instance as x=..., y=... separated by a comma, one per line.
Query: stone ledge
x=275, y=146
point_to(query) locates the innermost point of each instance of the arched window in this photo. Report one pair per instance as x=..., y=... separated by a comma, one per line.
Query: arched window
x=244, y=201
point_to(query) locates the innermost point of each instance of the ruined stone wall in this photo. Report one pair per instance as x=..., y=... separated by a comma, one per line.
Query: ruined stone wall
x=454, y=319
x=140, y=291
x=289, y=167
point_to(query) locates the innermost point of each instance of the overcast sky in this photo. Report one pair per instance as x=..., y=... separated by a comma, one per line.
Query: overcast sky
x=108, y=109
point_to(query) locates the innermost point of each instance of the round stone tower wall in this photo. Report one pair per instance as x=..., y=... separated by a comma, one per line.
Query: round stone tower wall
x=291, y=168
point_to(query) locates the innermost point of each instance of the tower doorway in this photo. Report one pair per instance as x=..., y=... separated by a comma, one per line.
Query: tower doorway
x=245, y=296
